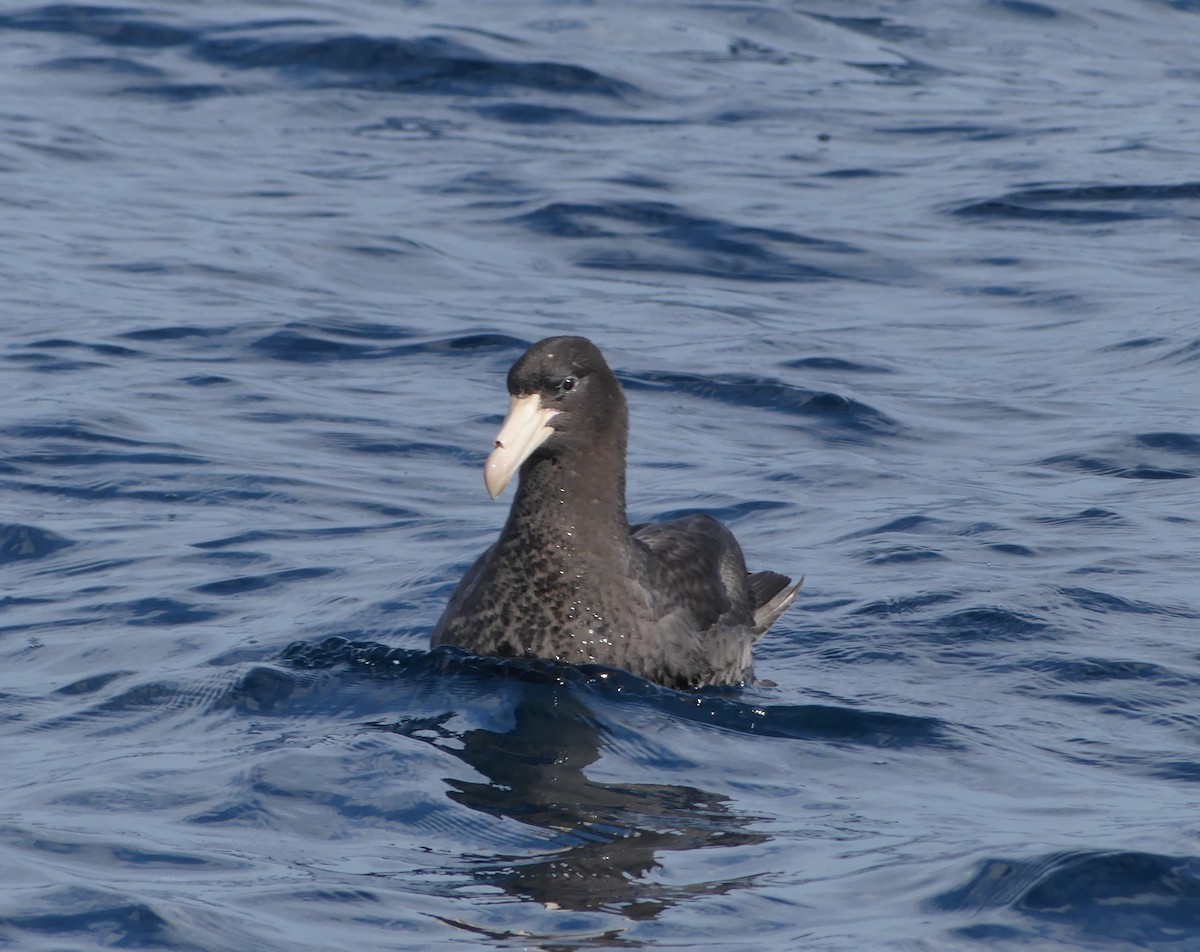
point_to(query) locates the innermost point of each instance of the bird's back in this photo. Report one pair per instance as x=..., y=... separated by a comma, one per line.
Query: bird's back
x=707, y=607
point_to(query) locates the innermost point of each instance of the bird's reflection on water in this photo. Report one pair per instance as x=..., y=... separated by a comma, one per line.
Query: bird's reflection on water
x=603, y=840
x=610, y=832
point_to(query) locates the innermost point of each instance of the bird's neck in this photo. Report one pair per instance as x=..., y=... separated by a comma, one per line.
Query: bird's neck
x=571, y=506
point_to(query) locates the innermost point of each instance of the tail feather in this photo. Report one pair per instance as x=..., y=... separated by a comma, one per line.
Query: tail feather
x=771, y=595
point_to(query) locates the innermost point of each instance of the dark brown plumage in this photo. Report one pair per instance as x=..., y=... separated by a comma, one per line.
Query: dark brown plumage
x=569, y=578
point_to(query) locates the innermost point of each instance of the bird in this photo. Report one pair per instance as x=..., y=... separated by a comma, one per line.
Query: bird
x=569, y=579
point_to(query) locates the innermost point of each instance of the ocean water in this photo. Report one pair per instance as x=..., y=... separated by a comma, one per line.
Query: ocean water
x=903, y=292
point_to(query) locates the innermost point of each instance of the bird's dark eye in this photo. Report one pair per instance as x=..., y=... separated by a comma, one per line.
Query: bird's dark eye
x=567, y=384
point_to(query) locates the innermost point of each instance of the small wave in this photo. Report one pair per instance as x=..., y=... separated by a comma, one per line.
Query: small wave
x=855, y=173
x=1186, y=354
x=908, y=71
x=162, y=612
x=20, y=543
x=255, y=536
x=876, y=27
x=1108, y=466
x=146, y=857
x=1148, y=899
x=1012, y=548
x=1104, y=671
x=1105, y=603
x=57, y=344
x=990, y=623
x=906, y=605
x=1091, y=516
x=429, y=64
x=1154, y=455
x=94, y=458
x=70, y=431
x=206, y=380
x=123, y=921
x=179, y=92
x=963, y=131
x=240, y=584
x=317, y=343
x=111, y=65
x=124, y=711
x=306, y=344
x=1084, y=205
x=1182, y=444
x=1029, y=9
x=1135, y=343
x=91, y=684
x=764, y=393
x=913, y=523
x=903, y=554
x=539, y=114
x=658, y=236
x=172, y=332
x=53, y=364
x=726, y=514
x=113, y=26
x=836, y=364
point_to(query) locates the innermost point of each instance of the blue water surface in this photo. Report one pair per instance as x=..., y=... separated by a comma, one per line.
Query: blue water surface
x=903, y=292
